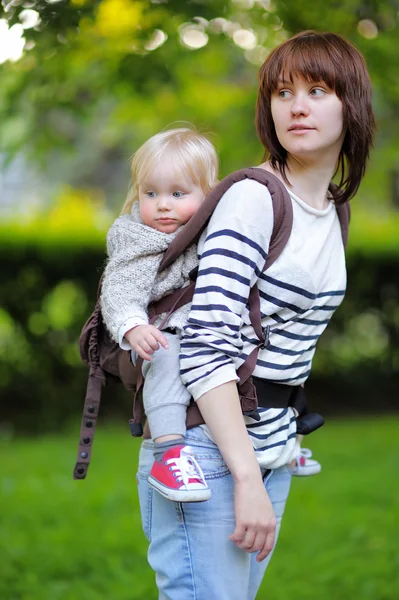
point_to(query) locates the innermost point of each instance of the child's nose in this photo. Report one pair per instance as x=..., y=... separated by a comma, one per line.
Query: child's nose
x=163, y=202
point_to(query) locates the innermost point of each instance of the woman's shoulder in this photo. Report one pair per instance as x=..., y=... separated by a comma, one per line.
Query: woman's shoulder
x=246, y=211
x=247, y=185
x=247, y=200
x=248, y=190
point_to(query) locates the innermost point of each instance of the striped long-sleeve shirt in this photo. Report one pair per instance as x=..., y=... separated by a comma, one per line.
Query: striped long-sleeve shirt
x=299, y=294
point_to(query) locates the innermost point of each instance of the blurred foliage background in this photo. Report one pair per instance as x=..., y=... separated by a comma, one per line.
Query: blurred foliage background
x=83, y=84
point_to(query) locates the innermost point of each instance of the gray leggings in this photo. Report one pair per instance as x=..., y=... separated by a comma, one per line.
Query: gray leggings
x=164, y=395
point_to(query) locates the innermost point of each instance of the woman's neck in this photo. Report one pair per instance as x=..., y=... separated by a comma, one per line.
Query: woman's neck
x=309, y=182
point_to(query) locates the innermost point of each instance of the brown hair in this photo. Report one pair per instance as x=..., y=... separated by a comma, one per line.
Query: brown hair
x=329, y=58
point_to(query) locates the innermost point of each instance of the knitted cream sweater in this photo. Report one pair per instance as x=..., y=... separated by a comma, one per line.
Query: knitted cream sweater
x=131, y=279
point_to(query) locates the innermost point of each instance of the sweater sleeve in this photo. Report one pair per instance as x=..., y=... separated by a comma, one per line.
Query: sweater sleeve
x=231, y=260
x=128, y=277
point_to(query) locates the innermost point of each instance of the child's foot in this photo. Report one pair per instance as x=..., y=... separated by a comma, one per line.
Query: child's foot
x=179, y=477
x=305, y=465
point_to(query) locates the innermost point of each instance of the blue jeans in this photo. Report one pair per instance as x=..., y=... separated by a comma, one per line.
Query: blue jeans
x=190, y=550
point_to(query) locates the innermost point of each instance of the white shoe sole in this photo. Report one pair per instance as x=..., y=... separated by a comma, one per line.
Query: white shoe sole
x=179, y=495
x=302, y=472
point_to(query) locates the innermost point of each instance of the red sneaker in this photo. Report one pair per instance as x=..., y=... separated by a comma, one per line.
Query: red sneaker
x=179, y=477
x=305, y=465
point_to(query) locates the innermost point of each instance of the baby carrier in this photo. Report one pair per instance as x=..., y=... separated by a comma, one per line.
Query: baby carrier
x=108, y=363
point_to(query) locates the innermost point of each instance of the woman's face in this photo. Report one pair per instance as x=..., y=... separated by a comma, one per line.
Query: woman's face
x=308, y=118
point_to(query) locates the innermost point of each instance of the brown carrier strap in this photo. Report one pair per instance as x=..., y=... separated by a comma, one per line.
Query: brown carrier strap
x=168, y=304
x=279, y=239
x=344, y=216
x=283, y=217
x=89, y=422
x=282, y=208
x=282, y=225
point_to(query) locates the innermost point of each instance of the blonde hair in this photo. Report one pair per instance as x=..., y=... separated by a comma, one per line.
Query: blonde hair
x=193, y=153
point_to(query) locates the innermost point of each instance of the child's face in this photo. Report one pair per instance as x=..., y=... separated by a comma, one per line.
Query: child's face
x=167, y=198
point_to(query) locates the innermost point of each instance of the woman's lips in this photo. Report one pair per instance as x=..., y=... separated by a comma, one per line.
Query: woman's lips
x=300, y=129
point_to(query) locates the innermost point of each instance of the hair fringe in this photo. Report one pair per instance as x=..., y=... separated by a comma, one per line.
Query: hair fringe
x=194, y=152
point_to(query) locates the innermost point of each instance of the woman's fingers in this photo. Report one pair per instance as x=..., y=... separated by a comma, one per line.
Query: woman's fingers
x=255, y=539
x=238, y=535
x=258, y=542
x=252, y=541
x=267, y=546
x=255, y=520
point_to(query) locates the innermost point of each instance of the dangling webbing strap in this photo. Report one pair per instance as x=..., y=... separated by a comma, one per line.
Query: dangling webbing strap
x=89, y=422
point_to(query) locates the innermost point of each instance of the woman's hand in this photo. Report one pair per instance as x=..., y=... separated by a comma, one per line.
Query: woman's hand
x=145, y=340
x=255, y=521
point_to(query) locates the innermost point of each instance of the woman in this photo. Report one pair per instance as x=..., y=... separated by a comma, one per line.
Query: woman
x=314, y=119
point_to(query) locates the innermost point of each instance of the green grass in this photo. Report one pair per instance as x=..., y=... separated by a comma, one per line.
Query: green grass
x=82, y=540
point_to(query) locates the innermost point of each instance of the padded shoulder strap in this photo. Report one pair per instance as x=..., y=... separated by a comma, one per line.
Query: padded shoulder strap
x=344, y=215
x=282, y=209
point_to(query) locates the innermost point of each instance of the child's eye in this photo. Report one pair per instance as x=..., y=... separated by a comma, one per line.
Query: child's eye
x=151, y=194
x=178, y=194
x=284, y=93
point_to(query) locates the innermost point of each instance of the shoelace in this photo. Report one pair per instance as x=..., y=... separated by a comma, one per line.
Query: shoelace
x=186, y=467
x=305, y=452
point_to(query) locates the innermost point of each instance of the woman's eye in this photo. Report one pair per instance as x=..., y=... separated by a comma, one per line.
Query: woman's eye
x=317, y=92
x=284, y=93
x=178, y=194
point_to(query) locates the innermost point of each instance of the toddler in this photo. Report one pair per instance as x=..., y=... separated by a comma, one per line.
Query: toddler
x=171, y=173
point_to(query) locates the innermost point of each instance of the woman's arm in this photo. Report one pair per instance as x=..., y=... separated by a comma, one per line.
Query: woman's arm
x=232, y=258
x=231, y=261
x=255, y=521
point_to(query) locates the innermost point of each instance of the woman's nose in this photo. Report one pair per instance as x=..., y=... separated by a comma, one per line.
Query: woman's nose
x=300, y=105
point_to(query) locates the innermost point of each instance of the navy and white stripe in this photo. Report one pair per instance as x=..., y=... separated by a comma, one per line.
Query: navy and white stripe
x=299, y=293
x=273, y=437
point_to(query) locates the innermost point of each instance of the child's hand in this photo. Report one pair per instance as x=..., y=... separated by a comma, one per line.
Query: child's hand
x=145, y=339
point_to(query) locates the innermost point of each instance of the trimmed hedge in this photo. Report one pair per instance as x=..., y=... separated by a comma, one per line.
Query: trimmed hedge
x=48, y=287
